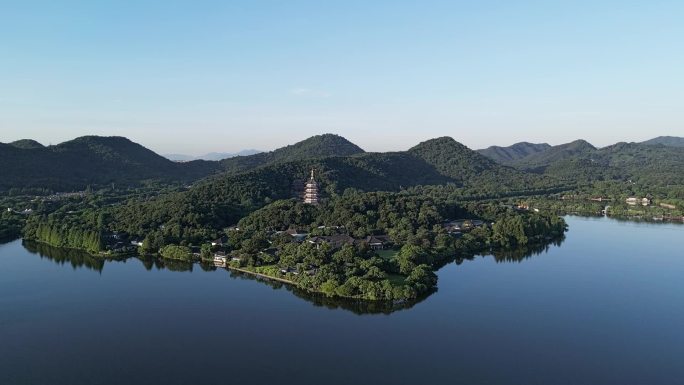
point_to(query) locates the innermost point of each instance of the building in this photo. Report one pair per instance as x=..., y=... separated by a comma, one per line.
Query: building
x=377, y=242
x=461, y=225
x=121, y=247
x=137, y=242
x=633, y=201
x=219, y=241
x=220, y=258
x=298, y=236
x=311, y=190
x=335, y=241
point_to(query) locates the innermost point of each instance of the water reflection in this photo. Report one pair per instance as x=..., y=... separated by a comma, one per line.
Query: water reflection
x=81, y=259
x=516, y=255
x=321, y=300
x=76, y=258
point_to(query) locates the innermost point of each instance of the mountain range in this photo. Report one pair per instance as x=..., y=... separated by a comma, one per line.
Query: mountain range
x=656, y=161
x=97, y=160
x=94, y=160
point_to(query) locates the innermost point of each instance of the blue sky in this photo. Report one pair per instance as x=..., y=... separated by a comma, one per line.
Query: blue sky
x=199, y=76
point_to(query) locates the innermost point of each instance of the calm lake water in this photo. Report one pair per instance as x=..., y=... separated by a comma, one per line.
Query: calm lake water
x=606, y=306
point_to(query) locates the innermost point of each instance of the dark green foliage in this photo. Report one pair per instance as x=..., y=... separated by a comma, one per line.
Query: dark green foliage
x=181, y=253
x=518, y=230
x=414, y=224
x=469, y=168
x=10, y=226
x=61, y=231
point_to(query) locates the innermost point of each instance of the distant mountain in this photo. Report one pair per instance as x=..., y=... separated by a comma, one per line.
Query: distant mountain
x=507, y=155
x=179, y=157
x=95, y=160
x=225, y=155
x=213, y=156
x=554, y=154
x=580, y=162
x=468, y=167
x=673, y=141
x=89, y=160
x=315, y=147
x=26, y=144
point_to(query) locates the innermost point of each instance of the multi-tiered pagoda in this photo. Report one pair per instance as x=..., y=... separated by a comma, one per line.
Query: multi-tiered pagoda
x=311, y=190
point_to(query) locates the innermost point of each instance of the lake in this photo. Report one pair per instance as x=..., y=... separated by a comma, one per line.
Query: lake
x=606, y=306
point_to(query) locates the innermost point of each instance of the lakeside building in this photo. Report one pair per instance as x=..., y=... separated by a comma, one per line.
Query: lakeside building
x=633, y=201
x=220, y=241
x=311, y=190
x=375, y=242
x=221, y=257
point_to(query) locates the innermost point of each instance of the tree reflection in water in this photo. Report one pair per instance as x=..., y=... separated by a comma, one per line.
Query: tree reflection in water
x=81, y=259
x=76, y=258
x=516, y=255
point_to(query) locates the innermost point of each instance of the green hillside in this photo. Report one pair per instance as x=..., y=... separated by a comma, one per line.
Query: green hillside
x=580, y=162
x=469, y=168
x=95, y=160
x=672, y=141
x=553, y=154
x=315, y=147
x=90, y=160
x=507, y=155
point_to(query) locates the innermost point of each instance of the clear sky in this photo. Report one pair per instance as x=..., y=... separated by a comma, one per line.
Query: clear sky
x=198, y=76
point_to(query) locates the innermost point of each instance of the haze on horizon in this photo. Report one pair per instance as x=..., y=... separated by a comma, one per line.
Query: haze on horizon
x=202, y=76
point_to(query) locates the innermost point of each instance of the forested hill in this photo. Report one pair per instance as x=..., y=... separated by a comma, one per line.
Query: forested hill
x=580, y=162
x=222, y=200
x=315, y=147
x=672, y=141
x=95, y=160
x=26, y=143
x=506, y=155
x=561, y=152
x=89, y=160
x=469, y=168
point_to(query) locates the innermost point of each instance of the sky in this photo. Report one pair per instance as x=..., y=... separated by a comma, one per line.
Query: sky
x=198, y=76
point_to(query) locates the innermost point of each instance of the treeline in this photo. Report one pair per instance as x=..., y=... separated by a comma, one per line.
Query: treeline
x=62, y=231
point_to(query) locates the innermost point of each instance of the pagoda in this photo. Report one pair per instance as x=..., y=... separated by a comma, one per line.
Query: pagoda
x=311, y=190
